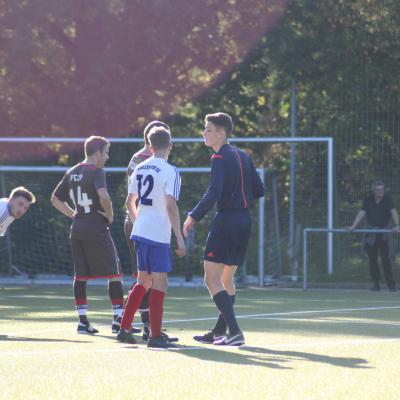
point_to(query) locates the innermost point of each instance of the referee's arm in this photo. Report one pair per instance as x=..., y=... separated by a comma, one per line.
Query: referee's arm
x=213, y=192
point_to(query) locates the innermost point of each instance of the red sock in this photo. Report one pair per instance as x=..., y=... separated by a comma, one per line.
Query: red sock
x=156, y=302
x=133, y=303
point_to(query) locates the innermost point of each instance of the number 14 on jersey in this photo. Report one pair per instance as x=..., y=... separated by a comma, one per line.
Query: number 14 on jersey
x=82, y=199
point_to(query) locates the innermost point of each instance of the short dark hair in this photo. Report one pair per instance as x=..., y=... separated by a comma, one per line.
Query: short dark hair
x=150, y=126
x=20, y=191
x=221, y=120
x=159, y=137
x=95, y=143
x=376, y=184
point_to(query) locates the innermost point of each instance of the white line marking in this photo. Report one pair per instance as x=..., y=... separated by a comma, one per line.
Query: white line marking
x=332, y=321
x=249, y=316
x=326, y=343
x=305, y=312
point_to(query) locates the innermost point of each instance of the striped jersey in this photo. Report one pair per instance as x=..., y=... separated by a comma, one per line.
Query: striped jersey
x=136, y=159
x=5, y=217
x=80, y=185
x=152, y=181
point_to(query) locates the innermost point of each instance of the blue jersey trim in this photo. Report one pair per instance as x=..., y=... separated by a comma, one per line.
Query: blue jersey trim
x=177, y=184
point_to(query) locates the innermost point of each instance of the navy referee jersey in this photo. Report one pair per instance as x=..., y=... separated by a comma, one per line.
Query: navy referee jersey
x=234, y=183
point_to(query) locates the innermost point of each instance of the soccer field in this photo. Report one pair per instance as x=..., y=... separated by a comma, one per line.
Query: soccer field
x=299, y=345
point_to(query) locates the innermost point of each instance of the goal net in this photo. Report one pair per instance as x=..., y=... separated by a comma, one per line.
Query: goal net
x=38, y=244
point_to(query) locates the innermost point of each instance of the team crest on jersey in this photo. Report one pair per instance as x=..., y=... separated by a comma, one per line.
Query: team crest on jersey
x=76, y=177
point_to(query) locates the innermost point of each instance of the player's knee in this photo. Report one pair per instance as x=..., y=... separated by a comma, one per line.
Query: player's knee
x=144, y=280
x=211, y=282
x=115, y=279
x=160, y=286
x=229, y=285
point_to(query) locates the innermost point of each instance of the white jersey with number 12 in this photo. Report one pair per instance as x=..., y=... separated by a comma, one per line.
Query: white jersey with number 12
x=152, y=181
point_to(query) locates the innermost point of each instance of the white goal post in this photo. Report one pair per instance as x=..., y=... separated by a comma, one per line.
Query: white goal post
x=261, y=171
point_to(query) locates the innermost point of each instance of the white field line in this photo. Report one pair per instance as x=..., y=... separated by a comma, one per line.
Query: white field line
x=391, y=297
x=328, y=343
x=330, y=321
x=248, y=316
x=305, y=312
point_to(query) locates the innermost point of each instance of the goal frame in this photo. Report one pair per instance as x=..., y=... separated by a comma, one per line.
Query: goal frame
x=261, y=212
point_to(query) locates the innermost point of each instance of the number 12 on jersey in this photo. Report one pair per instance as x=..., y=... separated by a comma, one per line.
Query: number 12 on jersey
x=149, y=182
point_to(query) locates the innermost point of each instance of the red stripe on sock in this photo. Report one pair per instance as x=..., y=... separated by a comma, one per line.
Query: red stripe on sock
x=156, y=303
x=131, y=306
x=117, y=302
x=81, y=302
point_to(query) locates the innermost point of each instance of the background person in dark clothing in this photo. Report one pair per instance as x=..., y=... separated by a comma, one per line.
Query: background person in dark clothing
x=379, y=210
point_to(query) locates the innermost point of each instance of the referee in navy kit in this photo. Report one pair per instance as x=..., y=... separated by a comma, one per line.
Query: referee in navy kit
x=234, y=184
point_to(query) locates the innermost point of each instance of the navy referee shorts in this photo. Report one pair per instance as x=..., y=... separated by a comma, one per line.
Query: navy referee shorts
x=228, y=237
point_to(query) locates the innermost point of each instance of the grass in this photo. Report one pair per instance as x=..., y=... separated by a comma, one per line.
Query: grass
x=299, y=345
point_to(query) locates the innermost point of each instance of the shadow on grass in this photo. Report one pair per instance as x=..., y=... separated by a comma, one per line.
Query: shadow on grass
x=271, y=358
x=347, y=362
x=6, y=338
x=210, y=354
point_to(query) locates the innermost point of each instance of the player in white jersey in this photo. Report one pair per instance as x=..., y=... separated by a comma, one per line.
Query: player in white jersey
x=14, y=207
x=156, y=186
x=140, y=156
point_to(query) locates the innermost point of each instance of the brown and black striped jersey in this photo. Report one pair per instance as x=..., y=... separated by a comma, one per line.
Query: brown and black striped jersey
x=80, y=185
x=136, y=159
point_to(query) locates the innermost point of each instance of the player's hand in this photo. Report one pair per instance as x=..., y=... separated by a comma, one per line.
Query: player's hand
x=396, y=229
x=181, y=250
x=188, y=225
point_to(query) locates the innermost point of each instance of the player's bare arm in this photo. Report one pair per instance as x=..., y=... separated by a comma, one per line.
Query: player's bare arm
x=173, y=213
x=106, y=203
x=62, y=206
x=188, y=225
x=131, y=205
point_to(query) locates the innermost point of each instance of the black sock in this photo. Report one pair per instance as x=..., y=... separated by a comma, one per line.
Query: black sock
x=115, y=291
x=225, y=306
x=81, y=300
x=144, y=308
x=220, y=326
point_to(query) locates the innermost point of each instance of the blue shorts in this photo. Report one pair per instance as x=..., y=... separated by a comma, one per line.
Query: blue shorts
x=152, y=257
x=228, y=237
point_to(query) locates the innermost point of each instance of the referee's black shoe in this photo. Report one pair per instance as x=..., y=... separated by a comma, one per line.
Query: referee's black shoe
x=231, y=340
x=209, y=337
